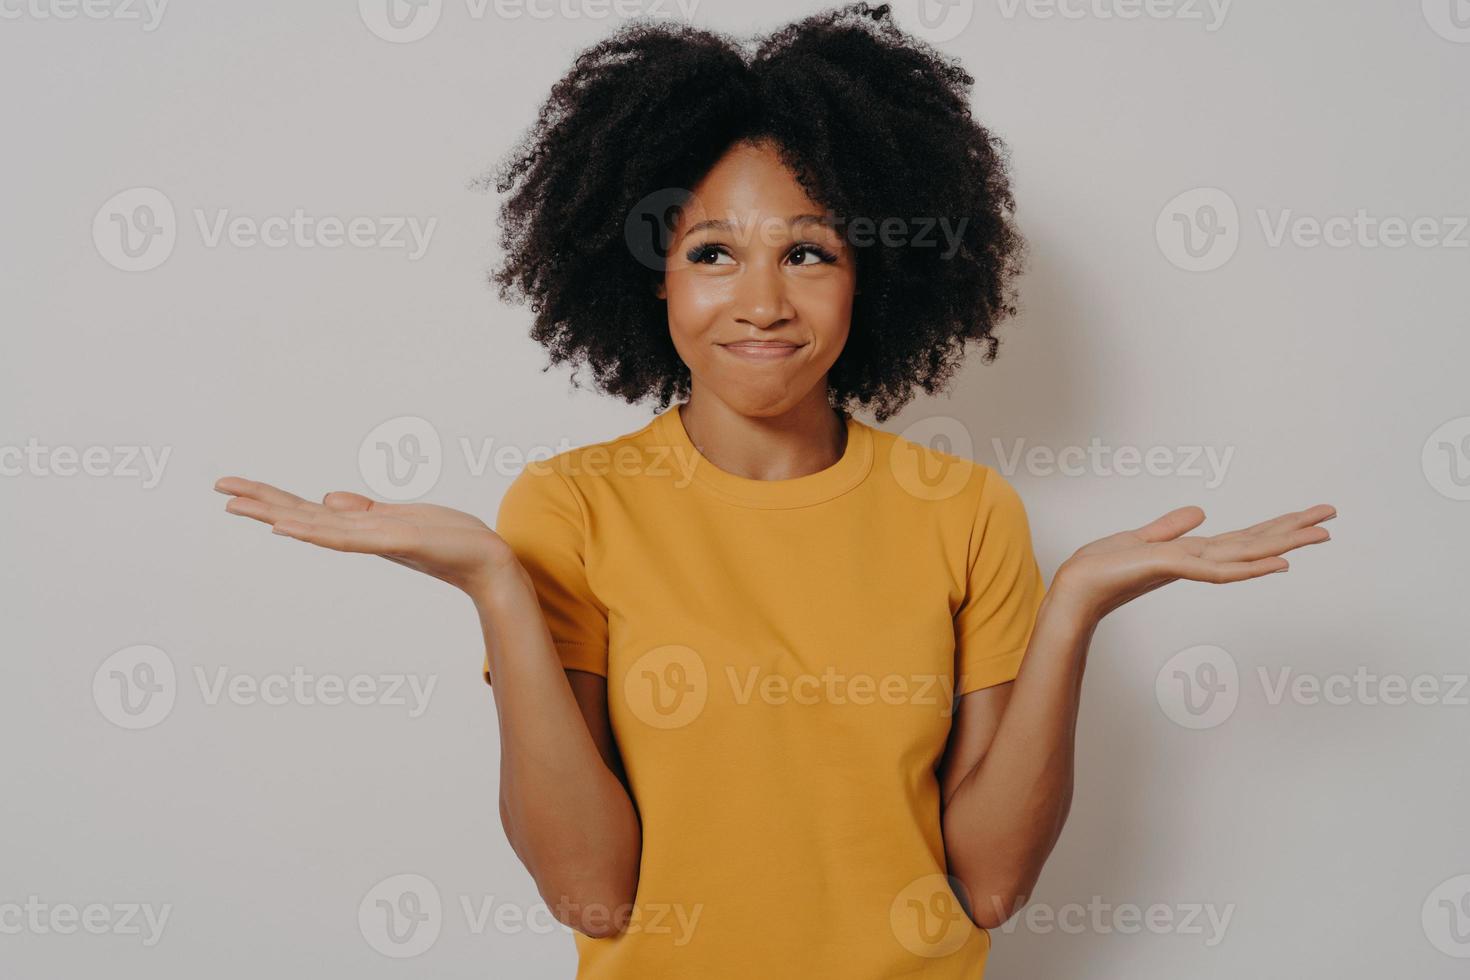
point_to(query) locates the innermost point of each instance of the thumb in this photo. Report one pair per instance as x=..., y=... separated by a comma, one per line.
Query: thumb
x=345, y=500
x=1172, y=524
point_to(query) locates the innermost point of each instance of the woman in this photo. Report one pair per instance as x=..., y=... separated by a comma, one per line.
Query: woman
x=780, y=694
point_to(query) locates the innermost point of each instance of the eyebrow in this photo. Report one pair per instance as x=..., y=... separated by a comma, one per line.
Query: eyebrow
x=721, y=224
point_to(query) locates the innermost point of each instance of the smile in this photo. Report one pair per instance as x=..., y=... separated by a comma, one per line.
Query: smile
x=755, y=351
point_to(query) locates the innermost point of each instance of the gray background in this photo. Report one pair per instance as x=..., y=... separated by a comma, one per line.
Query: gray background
x=1333, y=833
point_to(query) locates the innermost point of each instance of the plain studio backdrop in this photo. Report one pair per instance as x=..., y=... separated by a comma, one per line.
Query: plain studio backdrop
x=242, y=239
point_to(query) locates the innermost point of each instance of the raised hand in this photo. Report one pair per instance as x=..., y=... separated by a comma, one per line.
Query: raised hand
x=450, y=545
x=1121, y=567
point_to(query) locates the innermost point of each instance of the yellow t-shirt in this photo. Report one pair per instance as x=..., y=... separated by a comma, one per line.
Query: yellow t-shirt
x=781, y=659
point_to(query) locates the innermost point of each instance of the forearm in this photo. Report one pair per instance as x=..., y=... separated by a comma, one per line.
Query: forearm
x=1005, y=816
x=567, y=815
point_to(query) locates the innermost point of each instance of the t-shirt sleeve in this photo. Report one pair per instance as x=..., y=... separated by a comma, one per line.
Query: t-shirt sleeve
x=1003, y=591
x=543, y=520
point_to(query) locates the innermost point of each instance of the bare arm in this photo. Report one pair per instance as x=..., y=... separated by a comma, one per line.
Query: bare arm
x=563, y=804
x=566, y=811
x=1006, y=780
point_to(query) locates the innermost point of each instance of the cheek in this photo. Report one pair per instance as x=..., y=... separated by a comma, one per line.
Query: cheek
x=827, y=308
x=695, y=304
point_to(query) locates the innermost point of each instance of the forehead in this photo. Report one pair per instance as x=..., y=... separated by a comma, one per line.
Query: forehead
x=749, y=181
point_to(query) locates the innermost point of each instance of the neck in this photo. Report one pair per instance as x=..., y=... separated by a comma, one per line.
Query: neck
x=804, y=439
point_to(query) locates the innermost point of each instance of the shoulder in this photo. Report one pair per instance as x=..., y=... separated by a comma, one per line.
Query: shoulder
x=574, y=473
x=974, y=501
x=931, y=467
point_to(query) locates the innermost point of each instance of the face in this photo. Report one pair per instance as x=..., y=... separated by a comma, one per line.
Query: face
x=759, y=289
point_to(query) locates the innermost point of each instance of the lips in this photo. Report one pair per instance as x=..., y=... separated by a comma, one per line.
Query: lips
x=763, y=349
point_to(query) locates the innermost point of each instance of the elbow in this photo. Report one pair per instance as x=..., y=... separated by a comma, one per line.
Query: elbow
x=588, y=882
x=596, y=909
x=996, y=910
x=994, y=892
x=999, y=886
x=992, y=901
x=595, y=924
x=589, y=890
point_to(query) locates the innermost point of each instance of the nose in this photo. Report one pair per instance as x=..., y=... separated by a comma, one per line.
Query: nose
x=761, y=298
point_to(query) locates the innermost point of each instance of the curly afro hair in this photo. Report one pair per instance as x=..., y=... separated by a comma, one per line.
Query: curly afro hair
x=872, y=123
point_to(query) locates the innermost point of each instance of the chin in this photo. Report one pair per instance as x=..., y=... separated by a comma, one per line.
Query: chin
x=762, y=401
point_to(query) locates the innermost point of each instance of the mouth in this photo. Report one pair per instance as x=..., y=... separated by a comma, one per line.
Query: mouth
x=762, y=350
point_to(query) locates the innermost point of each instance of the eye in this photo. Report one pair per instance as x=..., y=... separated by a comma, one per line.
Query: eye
x=709, y=255
x=810, y=250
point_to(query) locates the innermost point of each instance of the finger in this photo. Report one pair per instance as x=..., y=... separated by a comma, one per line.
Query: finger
x=1172, y=524
x=346, y=500
x=1219, y=572
x=1252, y=548
x=1286, y=522
x=255, y=490
x=307, y=512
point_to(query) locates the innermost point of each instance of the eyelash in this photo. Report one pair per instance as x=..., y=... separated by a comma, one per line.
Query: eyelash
x=699, y=252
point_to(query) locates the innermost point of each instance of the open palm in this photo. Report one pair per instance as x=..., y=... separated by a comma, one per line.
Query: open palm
x=448, y=544
x=1121, y=567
